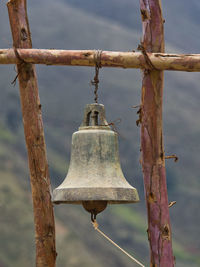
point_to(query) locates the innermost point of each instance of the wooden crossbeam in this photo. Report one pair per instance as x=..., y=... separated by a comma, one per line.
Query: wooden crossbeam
x=135, y=60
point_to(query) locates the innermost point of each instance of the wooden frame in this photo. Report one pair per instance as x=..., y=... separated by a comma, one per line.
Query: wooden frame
x=152, y=60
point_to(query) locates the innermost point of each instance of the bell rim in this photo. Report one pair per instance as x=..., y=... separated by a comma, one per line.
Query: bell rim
x=112, y=202
x=111, y=195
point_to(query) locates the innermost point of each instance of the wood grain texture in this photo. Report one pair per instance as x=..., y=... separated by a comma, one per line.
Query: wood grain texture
x=34, y=135
x=114, y=59
x=152, y=148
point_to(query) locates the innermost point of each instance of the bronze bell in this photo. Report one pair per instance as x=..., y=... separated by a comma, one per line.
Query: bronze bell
x=95, y=178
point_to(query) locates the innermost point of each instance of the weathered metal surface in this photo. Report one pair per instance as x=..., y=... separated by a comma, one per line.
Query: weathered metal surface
x=94, y=207
x=95, y=173
x=114, y=59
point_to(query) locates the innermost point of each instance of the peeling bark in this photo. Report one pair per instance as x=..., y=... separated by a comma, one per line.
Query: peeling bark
x=152, y=149
x=137, y=60
x=34, y=135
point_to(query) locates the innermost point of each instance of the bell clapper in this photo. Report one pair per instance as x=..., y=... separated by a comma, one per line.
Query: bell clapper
x=93, y=216
x=94, y=207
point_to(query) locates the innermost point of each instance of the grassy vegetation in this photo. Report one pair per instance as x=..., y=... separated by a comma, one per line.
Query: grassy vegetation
x=17, y=229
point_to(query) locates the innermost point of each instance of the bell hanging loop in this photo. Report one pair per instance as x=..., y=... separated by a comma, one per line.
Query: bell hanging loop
x=95, y=178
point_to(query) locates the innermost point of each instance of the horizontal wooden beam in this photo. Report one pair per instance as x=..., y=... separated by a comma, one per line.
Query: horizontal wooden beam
x=135, y=60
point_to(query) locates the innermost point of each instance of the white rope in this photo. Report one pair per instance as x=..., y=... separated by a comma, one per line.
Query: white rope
x=95, y=224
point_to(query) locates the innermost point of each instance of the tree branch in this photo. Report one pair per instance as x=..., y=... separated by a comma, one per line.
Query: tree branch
x=152, y=148
x=137, y=60
x=34, y=135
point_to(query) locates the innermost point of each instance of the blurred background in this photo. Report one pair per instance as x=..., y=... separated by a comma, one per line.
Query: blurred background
x=64, y=91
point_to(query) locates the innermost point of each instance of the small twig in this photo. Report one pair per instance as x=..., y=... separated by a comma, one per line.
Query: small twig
x=139, y=112
x=113, y=124
x=15, y=79
x=114, y=128
x=172, y=203
x=173, y=156
x=138, y=106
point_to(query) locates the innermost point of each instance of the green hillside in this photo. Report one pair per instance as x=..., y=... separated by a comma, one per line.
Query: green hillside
x=64, y=91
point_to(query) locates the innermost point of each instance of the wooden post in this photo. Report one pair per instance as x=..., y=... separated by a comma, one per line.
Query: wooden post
x=152, y=150
x=34, y=135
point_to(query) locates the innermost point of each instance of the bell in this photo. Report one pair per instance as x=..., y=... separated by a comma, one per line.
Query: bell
x=95, y=178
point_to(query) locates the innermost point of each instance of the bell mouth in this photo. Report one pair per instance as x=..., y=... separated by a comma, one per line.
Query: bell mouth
x=95, y=194
x=94, y=207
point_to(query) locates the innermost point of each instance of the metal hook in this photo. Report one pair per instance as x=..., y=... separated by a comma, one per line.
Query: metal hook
x=93, y=216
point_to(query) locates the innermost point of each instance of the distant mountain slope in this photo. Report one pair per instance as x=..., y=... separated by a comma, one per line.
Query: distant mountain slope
x=181, y=18
x=64, y=91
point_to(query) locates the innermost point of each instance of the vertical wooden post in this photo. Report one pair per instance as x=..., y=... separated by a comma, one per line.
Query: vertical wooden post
x=34, y=135
x=152, y=149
